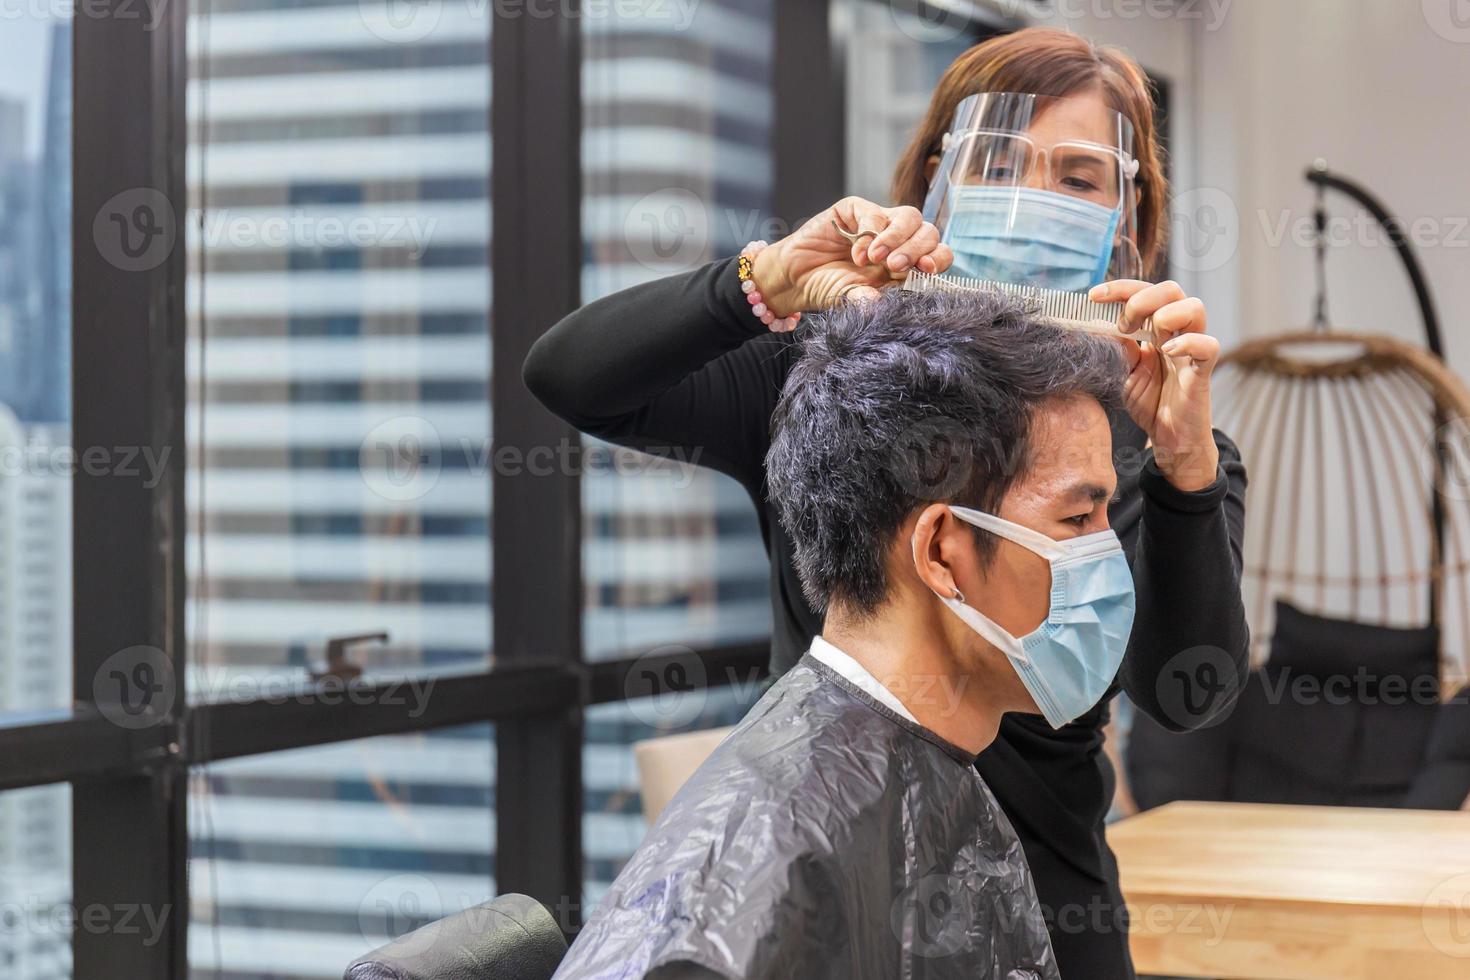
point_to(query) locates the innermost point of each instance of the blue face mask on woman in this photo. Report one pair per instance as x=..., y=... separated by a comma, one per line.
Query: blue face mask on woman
x=1025, y=235
x=1066, y=663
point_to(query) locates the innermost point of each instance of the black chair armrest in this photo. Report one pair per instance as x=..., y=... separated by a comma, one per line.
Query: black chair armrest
x=512, y=937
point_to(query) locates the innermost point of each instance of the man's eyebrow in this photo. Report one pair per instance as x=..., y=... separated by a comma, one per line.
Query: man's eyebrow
x=1093, y=492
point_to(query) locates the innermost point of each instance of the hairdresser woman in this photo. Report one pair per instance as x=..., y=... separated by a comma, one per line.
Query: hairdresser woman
x=1049, y=175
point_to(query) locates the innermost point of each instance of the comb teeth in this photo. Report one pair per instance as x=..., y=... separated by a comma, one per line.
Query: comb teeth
x=1066, y=309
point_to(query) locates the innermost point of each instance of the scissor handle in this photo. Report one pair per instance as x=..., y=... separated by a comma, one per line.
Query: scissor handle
x=852, y=236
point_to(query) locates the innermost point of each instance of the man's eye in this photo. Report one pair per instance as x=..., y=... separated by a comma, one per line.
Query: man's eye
x=1080, y=521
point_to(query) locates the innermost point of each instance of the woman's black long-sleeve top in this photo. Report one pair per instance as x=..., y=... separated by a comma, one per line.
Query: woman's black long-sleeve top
x=680, y=364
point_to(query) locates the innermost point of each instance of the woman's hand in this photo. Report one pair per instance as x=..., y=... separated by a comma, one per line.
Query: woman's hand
x=1168, y=388
x=816, y=267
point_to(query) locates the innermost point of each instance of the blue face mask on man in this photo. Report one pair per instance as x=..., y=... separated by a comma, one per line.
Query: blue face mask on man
x=1031, y=236
x=1066, y=663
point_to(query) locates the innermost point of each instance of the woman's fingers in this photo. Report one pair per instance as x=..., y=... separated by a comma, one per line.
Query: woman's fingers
x=860, y=294
x=1201, y=348
x=1120, y=291
x=1167, y=391
x=896, y=238
x=1185, y=316
x=889, y=245
x=868, y=220
x=1132, y=353
x=921, y=243
x=936, y=261
x=1142, y=305
x=1116, y=290
x=1141, y=300
x=862, y=218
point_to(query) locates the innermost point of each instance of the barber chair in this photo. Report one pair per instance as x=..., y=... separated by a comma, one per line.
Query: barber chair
x=666, y=763
x=1444, y=781
x=1366, y=744
x=512, y=937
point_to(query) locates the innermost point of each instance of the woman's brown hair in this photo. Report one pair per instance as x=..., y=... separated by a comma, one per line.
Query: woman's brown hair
x=1047, y=61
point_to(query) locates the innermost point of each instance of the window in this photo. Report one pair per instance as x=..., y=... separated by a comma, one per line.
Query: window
x=339, y=351
x=36, y=910
x=676, y=171
x=293, y=704
x=613, y=823
x=894, y=59
x=339, y=368
x=304, y=860
x=36, y=458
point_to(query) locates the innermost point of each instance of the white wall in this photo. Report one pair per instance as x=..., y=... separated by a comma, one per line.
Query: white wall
x=1380, y=90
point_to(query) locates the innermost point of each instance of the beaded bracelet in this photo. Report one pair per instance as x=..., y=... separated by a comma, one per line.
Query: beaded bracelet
x=746, y=270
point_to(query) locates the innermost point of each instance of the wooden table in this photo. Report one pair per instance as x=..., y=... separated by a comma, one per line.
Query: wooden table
x=1297, y=892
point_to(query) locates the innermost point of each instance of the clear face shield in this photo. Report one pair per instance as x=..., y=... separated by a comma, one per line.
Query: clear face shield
x=1039, y=190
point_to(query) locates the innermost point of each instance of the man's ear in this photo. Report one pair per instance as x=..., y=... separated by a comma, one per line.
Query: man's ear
x=938, y=535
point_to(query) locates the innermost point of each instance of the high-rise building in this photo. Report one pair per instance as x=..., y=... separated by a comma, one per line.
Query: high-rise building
x=35, y=943
x=36, y=213
x=35, y=508
x=339, y=234
x=17, y=292
x=35, y=636
x=339, y=304
x=677, y=170
x=51, y=381
x=35, y=245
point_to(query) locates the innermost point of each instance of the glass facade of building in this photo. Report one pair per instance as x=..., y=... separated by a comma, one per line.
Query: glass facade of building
x=340, y=484
x=339, y=365
x=36, y=462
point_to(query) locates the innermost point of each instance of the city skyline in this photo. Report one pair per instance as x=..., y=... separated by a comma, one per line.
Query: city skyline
x=35, y=500
x=25, y=52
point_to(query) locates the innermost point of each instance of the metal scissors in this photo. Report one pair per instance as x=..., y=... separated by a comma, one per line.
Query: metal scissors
x=852, y=236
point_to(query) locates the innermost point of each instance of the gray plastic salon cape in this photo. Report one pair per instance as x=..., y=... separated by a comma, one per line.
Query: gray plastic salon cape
x=825, y=837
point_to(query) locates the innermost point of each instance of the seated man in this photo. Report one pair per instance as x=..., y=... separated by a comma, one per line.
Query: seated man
x=943, y=465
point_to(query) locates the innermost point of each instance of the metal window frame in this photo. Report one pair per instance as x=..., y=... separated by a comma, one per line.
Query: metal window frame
x=129, y=835
x=536, y=566
x=130, y=786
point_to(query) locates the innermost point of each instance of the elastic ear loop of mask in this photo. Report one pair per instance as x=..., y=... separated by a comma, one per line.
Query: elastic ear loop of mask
x=1033, y=541
x=993, y=632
